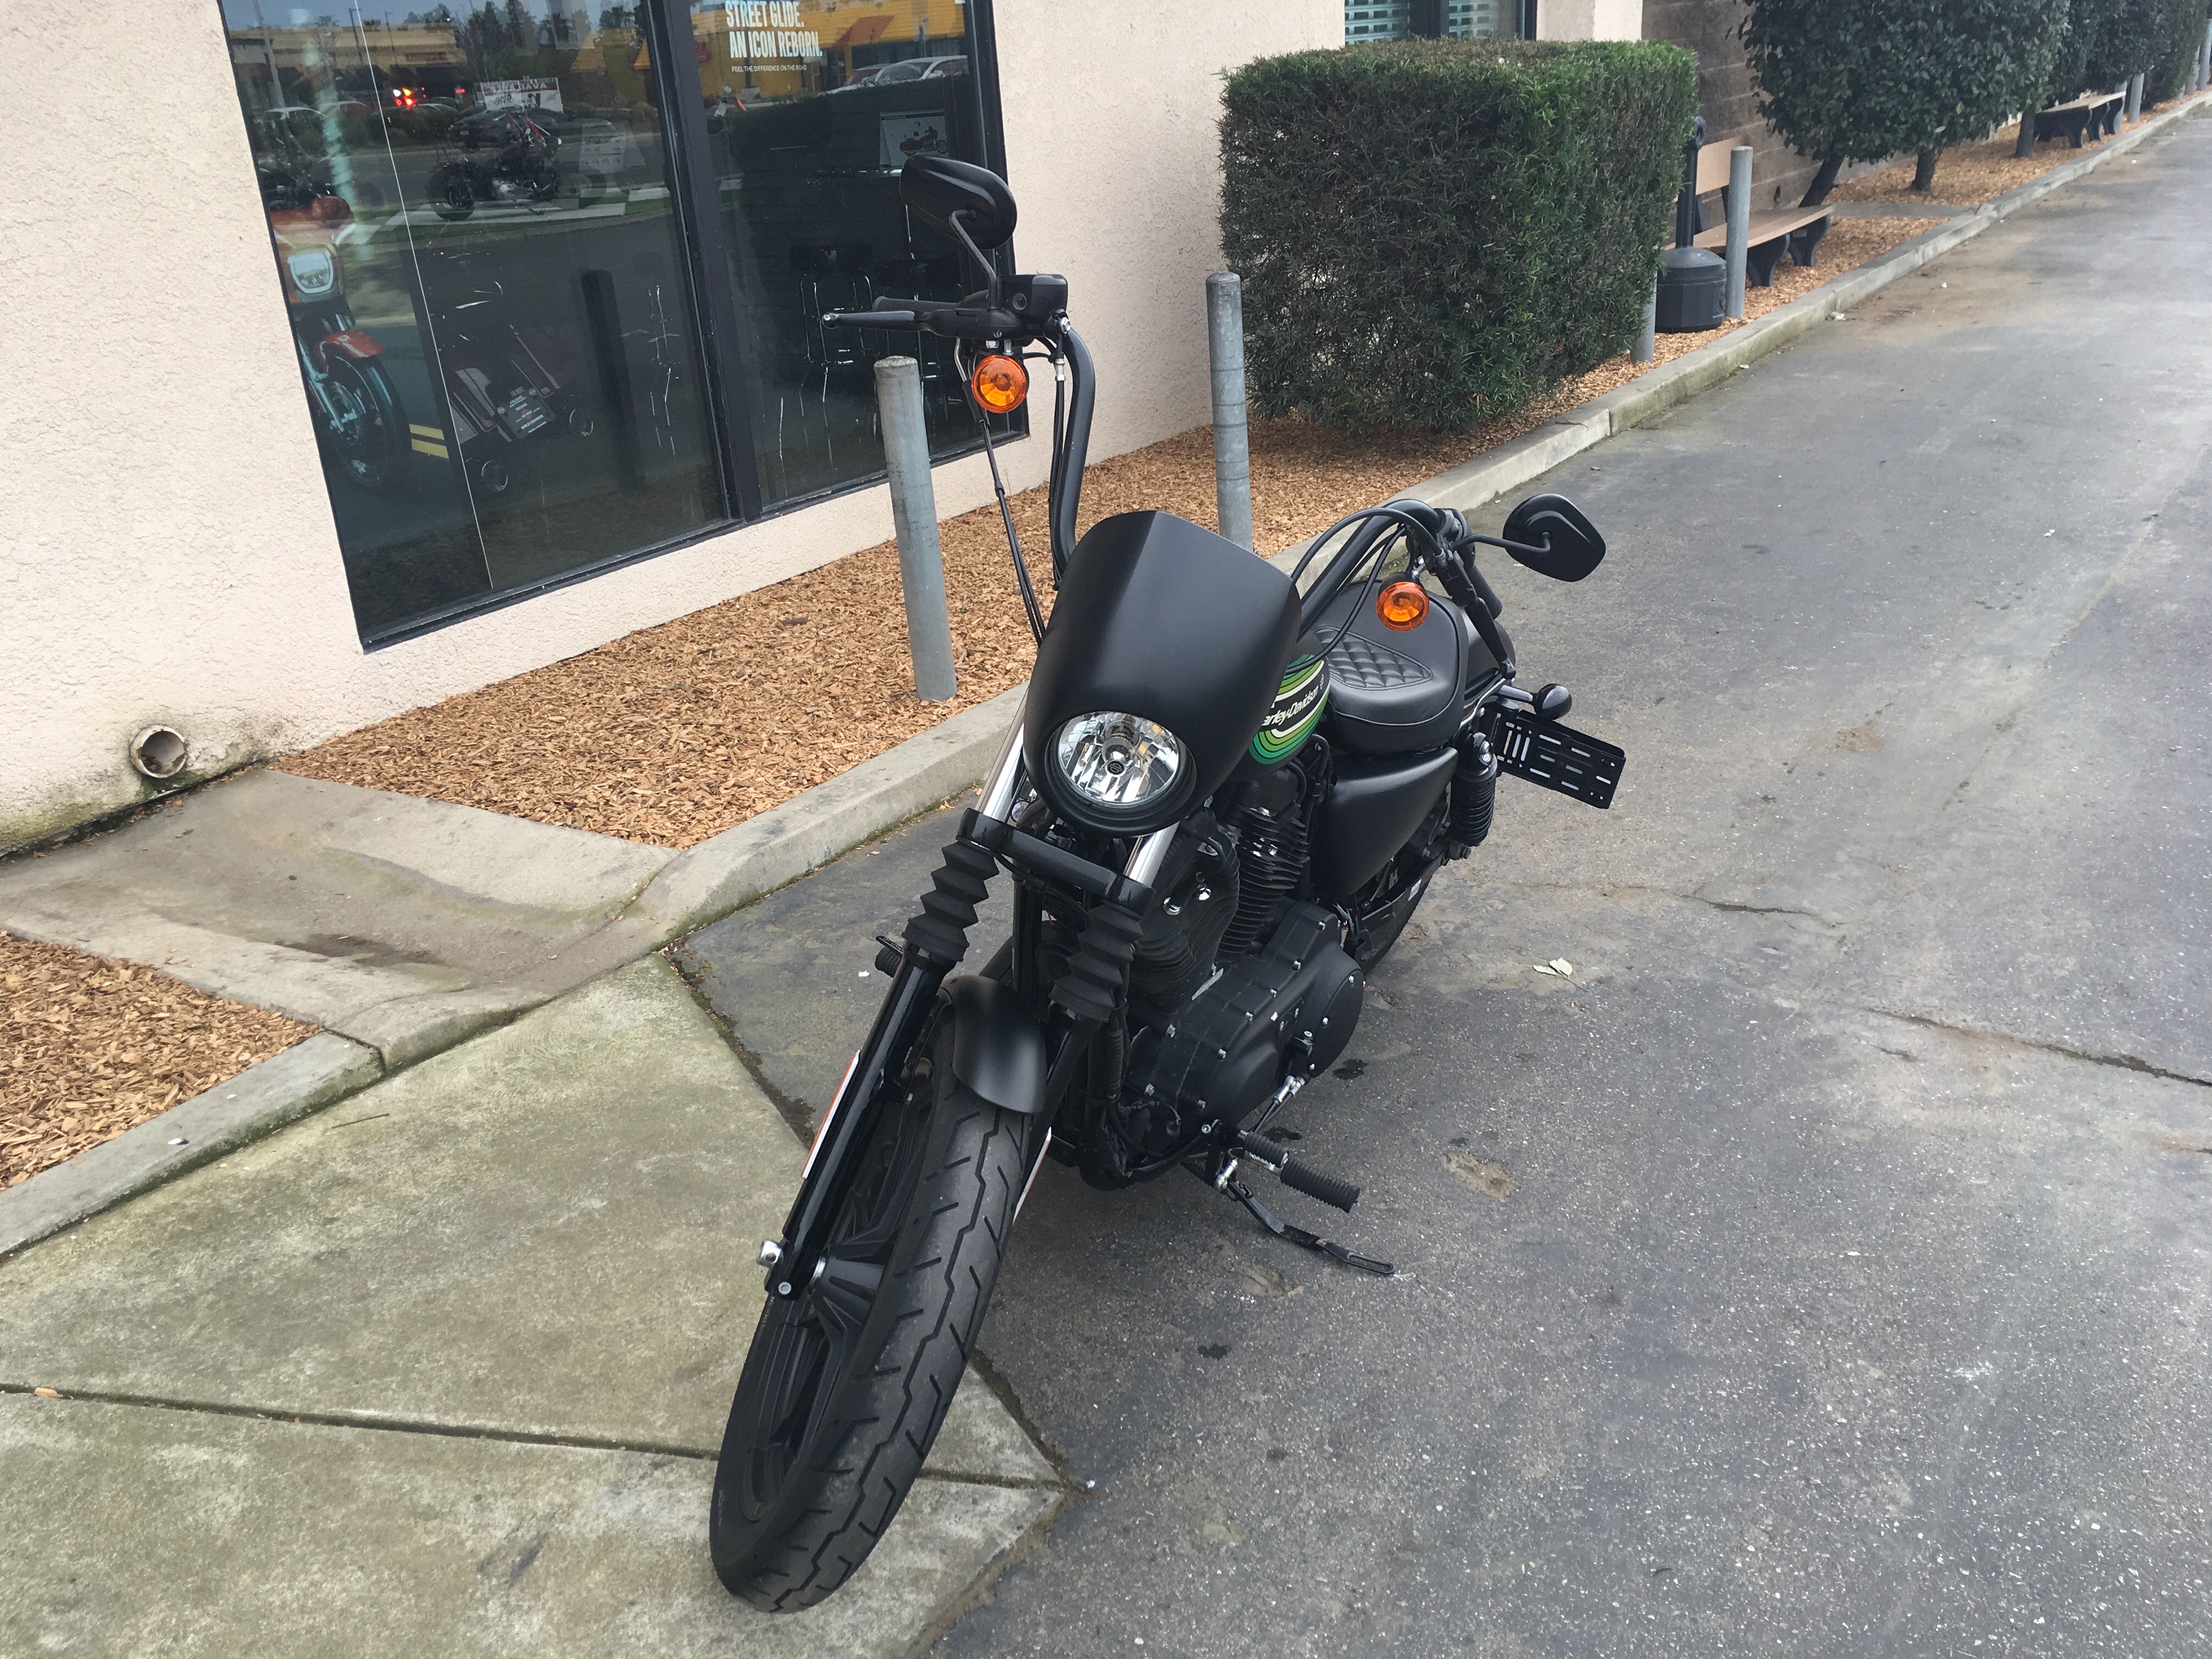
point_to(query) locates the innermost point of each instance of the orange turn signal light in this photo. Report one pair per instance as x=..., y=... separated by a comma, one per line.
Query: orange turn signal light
x=999, y=384
x=1401, y=605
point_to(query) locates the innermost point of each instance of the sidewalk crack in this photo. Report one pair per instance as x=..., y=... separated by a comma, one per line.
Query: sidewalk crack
x=367, y=1420
x=470, y=1431
x=793, y=1111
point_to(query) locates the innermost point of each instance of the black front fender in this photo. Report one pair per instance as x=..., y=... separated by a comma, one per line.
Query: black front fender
x=998, y=1052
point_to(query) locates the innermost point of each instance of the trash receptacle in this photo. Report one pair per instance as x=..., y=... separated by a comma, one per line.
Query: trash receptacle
x=1693, y=280
x=1692, y=290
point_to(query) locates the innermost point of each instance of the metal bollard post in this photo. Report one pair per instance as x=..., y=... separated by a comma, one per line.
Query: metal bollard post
x=1739, y=225
x=913, y=510
x=2135, y=97
x=1232, y=450
x=1647, y=344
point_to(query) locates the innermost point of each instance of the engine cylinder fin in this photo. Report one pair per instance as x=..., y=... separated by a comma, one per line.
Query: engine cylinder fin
x=1271, y=856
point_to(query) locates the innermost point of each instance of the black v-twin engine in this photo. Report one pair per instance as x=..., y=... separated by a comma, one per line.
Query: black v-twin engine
x=1291, y=1005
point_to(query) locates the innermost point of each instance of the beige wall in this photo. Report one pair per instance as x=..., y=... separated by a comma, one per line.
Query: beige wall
x=1589, y=20
x=167, y=551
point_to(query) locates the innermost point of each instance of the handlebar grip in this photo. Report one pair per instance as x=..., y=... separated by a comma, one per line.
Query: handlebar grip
x=871, y=319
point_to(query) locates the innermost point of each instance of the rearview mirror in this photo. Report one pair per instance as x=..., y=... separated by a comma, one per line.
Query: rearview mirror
x=1549, y=534
x=937, y=187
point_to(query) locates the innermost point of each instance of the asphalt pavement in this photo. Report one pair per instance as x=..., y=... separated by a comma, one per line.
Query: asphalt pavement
x=1821, y=1267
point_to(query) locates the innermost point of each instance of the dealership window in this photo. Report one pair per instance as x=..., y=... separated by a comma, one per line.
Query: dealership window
x=556, y=304
x=1398, y=20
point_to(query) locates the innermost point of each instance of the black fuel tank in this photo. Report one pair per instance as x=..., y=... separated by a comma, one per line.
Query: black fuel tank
x=1160, y=619
x=1372, y=809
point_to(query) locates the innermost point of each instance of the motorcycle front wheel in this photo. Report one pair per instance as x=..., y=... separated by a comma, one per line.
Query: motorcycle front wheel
x=451, y=195
x=370, y=446
x=848, y=1383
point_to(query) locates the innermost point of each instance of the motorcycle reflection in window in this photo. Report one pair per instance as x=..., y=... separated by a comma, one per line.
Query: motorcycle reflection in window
x=512, y=384
x=495, y=155
x=358, y=419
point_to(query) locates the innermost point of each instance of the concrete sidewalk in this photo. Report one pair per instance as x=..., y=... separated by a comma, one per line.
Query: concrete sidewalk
x=406, y=925
x=444, y=1370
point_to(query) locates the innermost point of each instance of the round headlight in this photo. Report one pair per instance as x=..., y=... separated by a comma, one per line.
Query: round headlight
x=313, y=272
x=1119, y=763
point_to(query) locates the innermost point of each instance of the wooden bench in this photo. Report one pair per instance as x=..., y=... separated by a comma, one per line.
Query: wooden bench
x=2094, y=112
x=1794, y=231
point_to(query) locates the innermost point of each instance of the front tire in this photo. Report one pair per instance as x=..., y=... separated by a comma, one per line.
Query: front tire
x=368, y=443
x=848, y=1383
x=451, y=197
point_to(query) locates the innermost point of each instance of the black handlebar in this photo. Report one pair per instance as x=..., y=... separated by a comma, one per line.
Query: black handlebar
x=954, y=322
x=870, y=319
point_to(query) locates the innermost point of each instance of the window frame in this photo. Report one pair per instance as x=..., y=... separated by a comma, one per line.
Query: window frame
x=668, y=27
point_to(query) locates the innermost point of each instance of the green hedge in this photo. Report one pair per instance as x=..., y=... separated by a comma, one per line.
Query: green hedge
x=1431, y=232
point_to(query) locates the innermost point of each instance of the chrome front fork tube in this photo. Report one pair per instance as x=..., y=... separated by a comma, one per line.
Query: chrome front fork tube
x=1003, y=784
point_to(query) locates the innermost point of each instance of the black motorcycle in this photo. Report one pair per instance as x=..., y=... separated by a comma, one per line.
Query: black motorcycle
x=1227, y=791
x=498, y=155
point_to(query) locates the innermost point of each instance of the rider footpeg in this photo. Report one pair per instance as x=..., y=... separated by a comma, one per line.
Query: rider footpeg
x=1314, y=1184
x=1342, y=1194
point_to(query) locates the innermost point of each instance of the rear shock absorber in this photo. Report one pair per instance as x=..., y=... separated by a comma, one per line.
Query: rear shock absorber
x=1473, y=792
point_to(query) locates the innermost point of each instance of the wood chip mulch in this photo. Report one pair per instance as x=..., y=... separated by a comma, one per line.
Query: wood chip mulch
x=90, y=1047
x=1967, y=175
x=676, y=733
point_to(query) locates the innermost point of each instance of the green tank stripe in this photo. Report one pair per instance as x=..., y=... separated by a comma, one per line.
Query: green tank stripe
x=1270, y=745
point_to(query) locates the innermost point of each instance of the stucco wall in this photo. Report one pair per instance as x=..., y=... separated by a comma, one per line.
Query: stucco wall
x=1589, y=20
x=166, y=551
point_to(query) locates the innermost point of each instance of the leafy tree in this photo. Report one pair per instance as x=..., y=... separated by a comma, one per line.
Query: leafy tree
x=2125, y=40
x=1864, y=79
x=2106, y=42
x=2180, y=40
x=2154, y=38
x=2068, y=72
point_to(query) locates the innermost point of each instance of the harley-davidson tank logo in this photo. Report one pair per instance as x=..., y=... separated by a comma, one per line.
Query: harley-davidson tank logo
x=1297, y=709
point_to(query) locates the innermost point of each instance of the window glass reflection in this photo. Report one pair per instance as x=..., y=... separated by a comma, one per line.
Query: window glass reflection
x=471, y=211
x=1400, y=19
x=812, y=106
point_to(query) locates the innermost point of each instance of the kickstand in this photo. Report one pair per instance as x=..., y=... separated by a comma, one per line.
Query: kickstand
x=1296, y=1235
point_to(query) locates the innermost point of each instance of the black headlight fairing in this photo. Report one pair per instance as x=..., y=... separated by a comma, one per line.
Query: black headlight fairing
x=1160, y=619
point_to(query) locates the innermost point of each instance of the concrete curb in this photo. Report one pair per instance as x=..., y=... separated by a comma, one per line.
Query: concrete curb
x=762, y=854
x=257, y=1101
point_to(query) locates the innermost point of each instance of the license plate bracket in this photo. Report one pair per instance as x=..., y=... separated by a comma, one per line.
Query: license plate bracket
x=1557, y=757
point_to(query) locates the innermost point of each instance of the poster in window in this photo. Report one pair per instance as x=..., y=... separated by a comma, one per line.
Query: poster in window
x=535, y=92
x=904, y=137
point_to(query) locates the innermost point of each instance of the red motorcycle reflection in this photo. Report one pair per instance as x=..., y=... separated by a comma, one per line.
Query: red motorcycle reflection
x=357, y=413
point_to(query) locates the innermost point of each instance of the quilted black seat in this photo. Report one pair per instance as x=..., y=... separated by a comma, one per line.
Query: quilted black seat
x=1392, y=693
